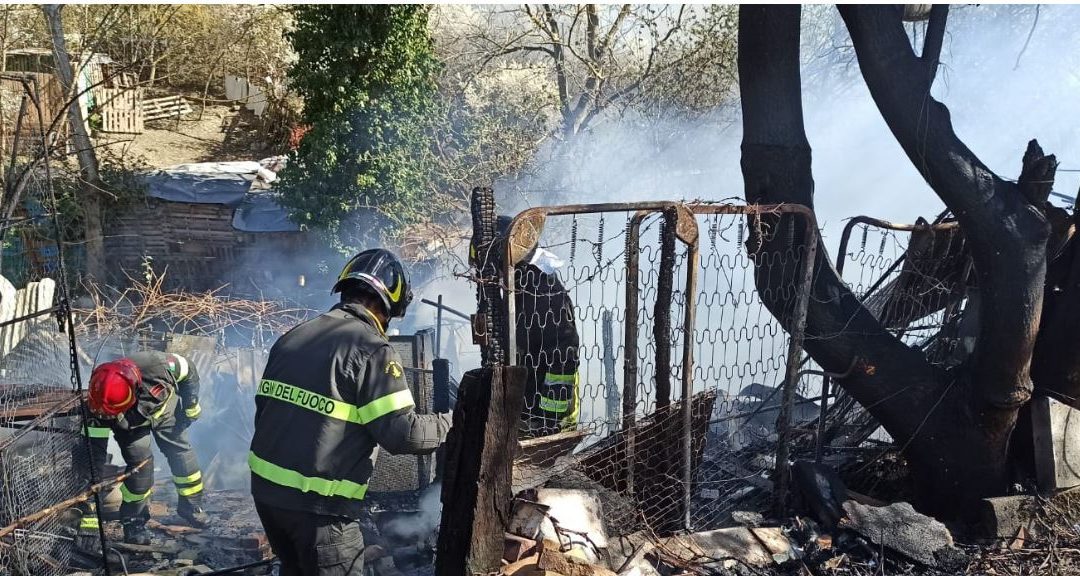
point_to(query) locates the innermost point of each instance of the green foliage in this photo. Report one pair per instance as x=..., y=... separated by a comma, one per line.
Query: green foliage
x=367, y=75
x=122, y=188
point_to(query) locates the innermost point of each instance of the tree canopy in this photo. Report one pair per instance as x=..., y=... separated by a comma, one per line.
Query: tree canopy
x=367, y=75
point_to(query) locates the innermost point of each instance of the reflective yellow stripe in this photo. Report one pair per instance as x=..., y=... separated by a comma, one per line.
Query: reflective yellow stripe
x=337, y=409
x=549, y=377
x=190, y=491
x=160, y=411
x=89, y=523
x=193, y=412
x=188, y=479
x=550, y=405
x=96, y=432
x=386, y=404
x=130, y=496
x=375, y=319
x=292, y=479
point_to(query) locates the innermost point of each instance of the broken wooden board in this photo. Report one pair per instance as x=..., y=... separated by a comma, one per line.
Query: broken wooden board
x=545, y=450
x=1056, y=434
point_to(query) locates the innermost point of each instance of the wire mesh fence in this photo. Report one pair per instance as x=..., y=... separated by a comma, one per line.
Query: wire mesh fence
x=44, y=456
x=916, y=279
x=648, y=305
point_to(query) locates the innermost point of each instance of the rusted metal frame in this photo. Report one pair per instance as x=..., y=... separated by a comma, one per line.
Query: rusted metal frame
x=845, y=236
x=60, y=406
x=686, y=231
x=630, y=337
x=841, y=259
x=536, y=216
x=798, y=326
x=65, y=504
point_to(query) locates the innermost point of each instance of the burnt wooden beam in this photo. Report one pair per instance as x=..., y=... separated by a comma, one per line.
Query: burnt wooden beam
x=477, y=477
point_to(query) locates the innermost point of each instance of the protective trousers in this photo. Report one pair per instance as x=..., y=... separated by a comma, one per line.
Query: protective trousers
x=169, y=430
x=309, y=544
x=551, y=403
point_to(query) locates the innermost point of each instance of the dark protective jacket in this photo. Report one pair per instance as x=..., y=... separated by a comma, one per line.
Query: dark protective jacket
x=547, y=343
x=167, y=393
x=164, y=376
x=333, y=391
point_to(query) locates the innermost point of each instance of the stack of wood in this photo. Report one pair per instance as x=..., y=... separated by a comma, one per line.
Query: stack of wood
x=167, y=107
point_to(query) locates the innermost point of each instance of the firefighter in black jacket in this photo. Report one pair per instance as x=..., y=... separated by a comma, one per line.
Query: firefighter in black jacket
x=547, y=342
x=146, y=394
x=333, y=392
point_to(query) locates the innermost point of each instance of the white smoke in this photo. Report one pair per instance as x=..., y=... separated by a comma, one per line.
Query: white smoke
x=422, y=525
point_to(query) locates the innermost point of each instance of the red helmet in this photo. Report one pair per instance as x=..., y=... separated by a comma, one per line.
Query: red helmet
x=112, y=387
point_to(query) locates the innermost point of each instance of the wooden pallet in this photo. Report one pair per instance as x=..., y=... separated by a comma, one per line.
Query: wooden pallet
x=167, y=107
x=121, y=110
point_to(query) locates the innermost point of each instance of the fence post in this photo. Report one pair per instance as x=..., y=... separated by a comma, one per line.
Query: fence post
x=611, y=393
x=662, y=309
x=791, y=375
x=630, y=349
x=687, y=230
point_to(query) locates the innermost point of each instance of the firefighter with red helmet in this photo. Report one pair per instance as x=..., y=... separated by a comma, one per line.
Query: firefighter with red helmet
x=334, y=392
x=148, y=394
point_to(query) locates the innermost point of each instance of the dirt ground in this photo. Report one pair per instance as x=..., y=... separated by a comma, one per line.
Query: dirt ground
x=211, y=134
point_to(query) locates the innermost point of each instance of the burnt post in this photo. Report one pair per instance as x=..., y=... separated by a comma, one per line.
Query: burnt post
x=687, y=231
x=611, y=392
x=489, y=324
x=476, y=494
x=665, y=288
x=630, y=349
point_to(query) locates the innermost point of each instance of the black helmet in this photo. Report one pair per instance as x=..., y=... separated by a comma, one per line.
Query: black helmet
x=502, y=226
x=381, y=271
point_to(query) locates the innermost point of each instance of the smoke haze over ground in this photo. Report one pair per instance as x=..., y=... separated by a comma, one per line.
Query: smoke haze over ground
x=997, y=105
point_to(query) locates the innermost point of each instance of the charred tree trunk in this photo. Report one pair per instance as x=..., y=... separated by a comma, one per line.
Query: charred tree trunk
x=954, y=425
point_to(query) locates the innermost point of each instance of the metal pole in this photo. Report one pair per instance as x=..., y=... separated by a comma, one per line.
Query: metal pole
x=688, y=376
x=438, y=328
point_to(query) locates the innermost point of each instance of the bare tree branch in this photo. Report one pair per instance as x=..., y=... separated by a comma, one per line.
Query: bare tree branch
x=935, y=35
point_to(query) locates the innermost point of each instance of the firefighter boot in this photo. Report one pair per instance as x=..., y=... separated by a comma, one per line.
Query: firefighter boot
x=136, y=532
x=190, y=509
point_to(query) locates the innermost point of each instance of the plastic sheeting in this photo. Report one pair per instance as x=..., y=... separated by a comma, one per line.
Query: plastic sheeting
x=198, y=188
x=236, y=184
x=262, y=213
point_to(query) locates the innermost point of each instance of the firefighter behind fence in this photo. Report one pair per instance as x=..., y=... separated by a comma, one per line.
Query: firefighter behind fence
x=334, y=391
x=547, y=341
x=146, y=394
